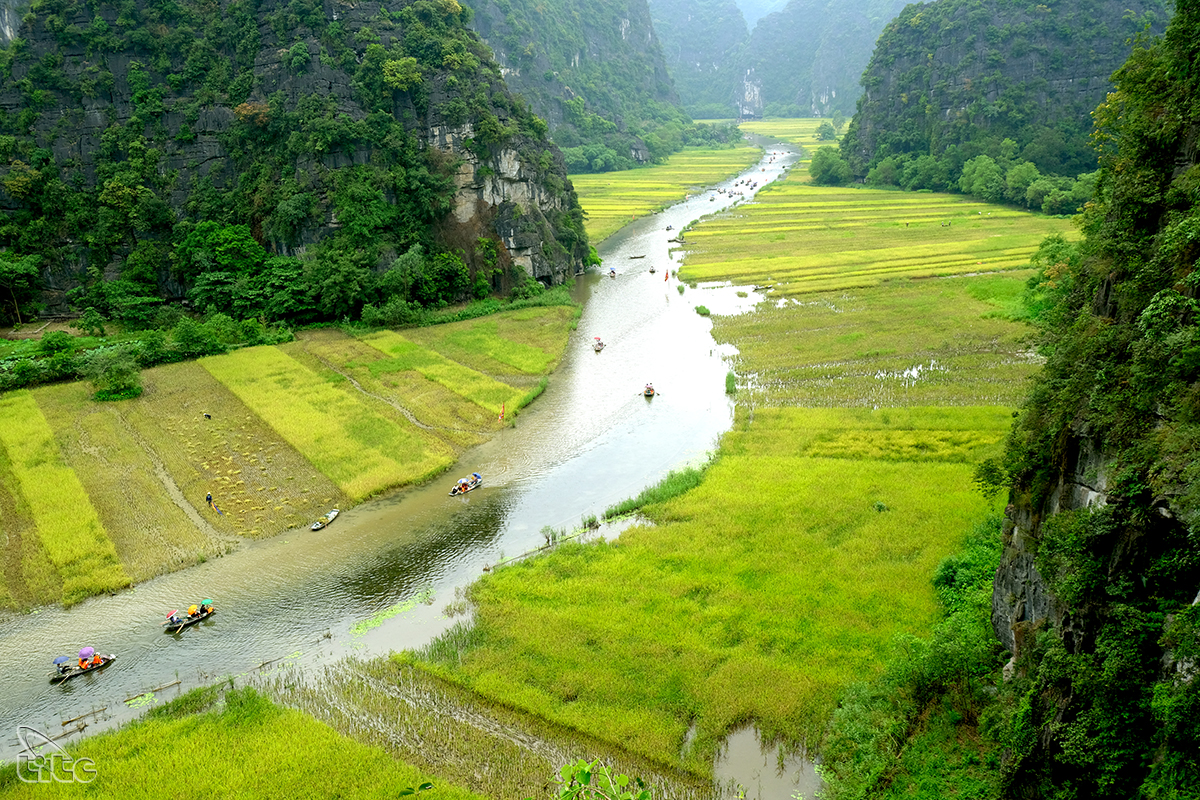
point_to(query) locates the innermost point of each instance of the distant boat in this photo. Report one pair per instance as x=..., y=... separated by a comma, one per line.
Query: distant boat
x=643, y=255
x=652, y=268
x=325, y=520
x=649, y=390
x=597, y=345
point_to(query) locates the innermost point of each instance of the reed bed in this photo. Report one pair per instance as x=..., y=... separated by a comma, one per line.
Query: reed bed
x=358, y=448
x=529, y=341
x=66, y=522
x=949, y=341
x=151, y=533
x=405, y=354
x=800, y=239
x=250, y=747
x=433, y=724
x=611, y=199
x=756, y=596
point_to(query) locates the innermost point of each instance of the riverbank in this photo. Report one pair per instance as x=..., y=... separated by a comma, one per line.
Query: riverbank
x=246, y=445
x=614, y=199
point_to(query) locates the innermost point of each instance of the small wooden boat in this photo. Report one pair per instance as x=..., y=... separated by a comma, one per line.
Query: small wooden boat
x=467, y=485
x=179, y=623
x=643, y=255
x=651, y=269
x=74, y=670
x=325, y=520
x=649, y=390
x=597, y=345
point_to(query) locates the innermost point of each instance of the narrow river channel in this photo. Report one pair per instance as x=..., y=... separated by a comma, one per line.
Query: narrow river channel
x=379, y=578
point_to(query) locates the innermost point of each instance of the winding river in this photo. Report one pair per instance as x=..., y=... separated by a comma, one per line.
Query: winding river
x=380, y=577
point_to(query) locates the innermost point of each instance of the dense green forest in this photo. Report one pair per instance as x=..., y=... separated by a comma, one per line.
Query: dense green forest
x=594, y=70
x=990, y=97
x=1097, y=587
x=267, y=160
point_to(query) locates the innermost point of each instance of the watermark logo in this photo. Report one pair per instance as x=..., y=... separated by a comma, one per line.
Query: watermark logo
x=43, y=761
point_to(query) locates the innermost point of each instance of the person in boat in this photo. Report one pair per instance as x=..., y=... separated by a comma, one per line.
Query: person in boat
x=462, y=485
x=97, y=660
x=205, y=608
x=193, y=610
x=63, y=666
x=477, y=477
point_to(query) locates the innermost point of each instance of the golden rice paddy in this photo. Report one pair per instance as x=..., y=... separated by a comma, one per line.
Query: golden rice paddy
x=613, y=199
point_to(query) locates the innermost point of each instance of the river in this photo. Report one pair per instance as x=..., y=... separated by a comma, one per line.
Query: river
x=378, y=578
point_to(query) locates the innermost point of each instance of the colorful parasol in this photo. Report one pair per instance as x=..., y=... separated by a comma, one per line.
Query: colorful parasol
x=172, y=612
x=62, y=659
x=206, y=601
x=87, y=652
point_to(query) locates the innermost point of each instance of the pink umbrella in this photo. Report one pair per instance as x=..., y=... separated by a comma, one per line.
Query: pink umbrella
x=87, y=652
x=172, y=613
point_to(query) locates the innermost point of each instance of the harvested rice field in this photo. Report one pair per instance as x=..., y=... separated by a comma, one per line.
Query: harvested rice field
x=612, y=199
x=276, y=435
x=798, y=239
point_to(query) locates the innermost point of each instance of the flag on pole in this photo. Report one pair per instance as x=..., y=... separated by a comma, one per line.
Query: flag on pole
x=502, y=412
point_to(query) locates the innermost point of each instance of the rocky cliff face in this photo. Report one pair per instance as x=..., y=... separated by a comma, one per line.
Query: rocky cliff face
x=331, y=129
x=952, y=71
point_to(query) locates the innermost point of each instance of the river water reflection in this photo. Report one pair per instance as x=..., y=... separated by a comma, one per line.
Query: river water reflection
x=379, y=578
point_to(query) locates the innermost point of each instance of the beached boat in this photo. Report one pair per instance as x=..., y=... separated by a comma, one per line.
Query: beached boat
x=465, y=485
x=74, y=670
x=325, y=520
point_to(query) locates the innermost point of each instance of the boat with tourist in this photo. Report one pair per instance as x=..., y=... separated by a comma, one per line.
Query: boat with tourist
x=196, y=612
x=465, y=485
x=89, y=661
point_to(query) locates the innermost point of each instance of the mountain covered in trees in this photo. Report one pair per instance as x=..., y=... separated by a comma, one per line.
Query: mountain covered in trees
x=287, y=160
x=802, y=58
x=595, y=71
x=703, y=42
x=954, y=79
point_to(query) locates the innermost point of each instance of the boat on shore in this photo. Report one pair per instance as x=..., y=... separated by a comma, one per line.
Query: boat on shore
x=325, y=520
x=75, y=670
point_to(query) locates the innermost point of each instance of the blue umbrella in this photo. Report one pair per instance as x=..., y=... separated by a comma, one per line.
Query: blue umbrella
x=62, y=659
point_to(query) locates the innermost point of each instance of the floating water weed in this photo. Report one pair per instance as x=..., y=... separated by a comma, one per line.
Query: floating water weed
x=361, y=628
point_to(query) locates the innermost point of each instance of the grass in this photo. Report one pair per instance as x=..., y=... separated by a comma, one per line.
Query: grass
x=359, y=448
x=487, y=393
x=528, y=342
x=801, y=131
x=63, y=516
x=250, y=747
x=937, y=342
x=29, y=577
x=612, y=199
x=800, y=239
x=758, y=595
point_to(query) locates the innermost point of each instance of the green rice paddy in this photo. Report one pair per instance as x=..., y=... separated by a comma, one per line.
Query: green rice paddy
x=756, y=596
x=612, y=199
x=249, y=748
x=799, y=238
x=801, y=131
x=470, y=384
x=62, y=515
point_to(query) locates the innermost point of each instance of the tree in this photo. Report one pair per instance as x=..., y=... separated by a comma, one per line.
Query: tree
x=828, y=168
x=402, y=74
x=114, y=373
x=826, y=132
x=19, y=275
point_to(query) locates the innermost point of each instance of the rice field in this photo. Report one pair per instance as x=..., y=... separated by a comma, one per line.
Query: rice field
x=946, y=341
x=527, y=342
x=353, y=443
x=798, y=238
x=756, y=596
x=406, y=355
x=611, y=199
x=800, y=131
x=63, y=516
x=249, y=748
